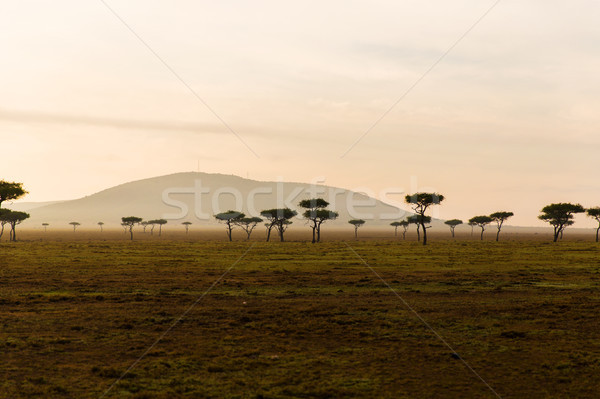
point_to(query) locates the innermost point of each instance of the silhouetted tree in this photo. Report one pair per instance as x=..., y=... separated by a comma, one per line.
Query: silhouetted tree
x=317, y=215
x=453, y=223
x=248, y=224
x=595, y=214
x=159, y=222
x=560, y=216
x=131, y=221
x=45, y=225
x=10, y=191
x=405, y=225
x=420, y=203
x=419, y=221
x=101, y=224
x=229, y=218
x=500, y=218
x=3, y=219
x=144, y=225
x=75, y=225
x=187, y=226
x=14, y=218
x=279, y=218
x=481, y=221
x=356, y=223
x=396, y=225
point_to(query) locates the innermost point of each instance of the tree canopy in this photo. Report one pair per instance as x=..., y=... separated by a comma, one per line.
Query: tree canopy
x=278, y=218
x=317, y=215
x=248, y=224
x=594, y=213
x=481, y=221
x=129, y=222
x=420, y=203
x=560, y=215
x=13, y=218
x=500, y=218
x=229, y=218
x=453, y=223
x=10, y=191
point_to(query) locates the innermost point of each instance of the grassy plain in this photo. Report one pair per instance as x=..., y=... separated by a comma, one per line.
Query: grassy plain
x=299, y=320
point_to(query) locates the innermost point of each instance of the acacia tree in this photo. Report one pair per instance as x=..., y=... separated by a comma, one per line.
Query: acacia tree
x=75, y=225
x=419, y=221
x=560, y=216
x=10, y=191
x=45, y=225
x=481, y=221
x=230, y=218
x=278, y=218
x=317, y=215
x=159, y=222
x=14, y=218
x=248, y=224
x=396, y=225
x=101, y=224
x=500, y=218
x=356, y=223
x=405, y=225
x=3, y=219
x=129, y=222
x=594, y=213
x=187, y=226
x=420, y=203
x=453, y=223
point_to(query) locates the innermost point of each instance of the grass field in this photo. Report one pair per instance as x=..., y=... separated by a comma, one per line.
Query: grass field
x=299, y=320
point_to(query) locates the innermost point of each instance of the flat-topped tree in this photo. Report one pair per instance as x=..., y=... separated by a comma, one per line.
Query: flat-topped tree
x=10, y=191
x=500, y=218
x=405, y=225
x=129, y=222
x=278, y=218
x=481, y=221
x=452, y=223
x=356, y=223
x=229, y=218
x=75, y=225
x=14, y=218
x=317, y=215
x=159, y=222
x=560, y=216
x=419, y=221
x=45, y=225
x=248, y=224
x=420, y=203
x=3, y=219
x=395, y=225
x=187, y=226
x=594, y=213
x=101, y=224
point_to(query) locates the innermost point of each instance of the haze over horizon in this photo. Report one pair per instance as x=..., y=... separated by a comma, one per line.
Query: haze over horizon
x=506, y=121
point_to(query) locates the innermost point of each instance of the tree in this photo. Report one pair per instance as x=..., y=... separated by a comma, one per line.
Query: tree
x=14, y=218
x=356, y=223
x=420, y=203
x=278, y=218
x=560, y=216
x=472, y=225
x=45, y=225
x=131, y=221
x=453, y=223
x=187, y=226
x=230, y=218
x=481, y=221
x=499, y=218
x=405, y=225
x=248, y=224
x=595, y=214
x=396, y=225
x=101, y=224
x=317, y=215
x=10, y=191
x=75, y=225
x=3, y=219
x=144, y=225
x=159, y=222
x=419, y=221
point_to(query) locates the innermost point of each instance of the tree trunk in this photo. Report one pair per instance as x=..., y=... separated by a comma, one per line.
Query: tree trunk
x=452, y=230
x=424, y=233
x=419, y=233
x=356, y=232
x=319, y=233
x=404, y=235
x=229, y=231
x=131, y=232
x=597, y=230
x=269, y=233
x=482, y=230
x=498, y=235
x=14, y=232
x=395, y=231
x=159, y=230
x=314, y=231
x=281, y=233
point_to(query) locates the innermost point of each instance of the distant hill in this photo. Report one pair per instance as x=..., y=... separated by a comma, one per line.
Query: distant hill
x=28, y=206
x=196, y=197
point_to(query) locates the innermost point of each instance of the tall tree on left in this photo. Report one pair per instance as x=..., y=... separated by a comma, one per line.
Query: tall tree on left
x=10, y=191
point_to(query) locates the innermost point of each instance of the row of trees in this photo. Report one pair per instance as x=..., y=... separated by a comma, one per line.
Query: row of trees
x=11, y=191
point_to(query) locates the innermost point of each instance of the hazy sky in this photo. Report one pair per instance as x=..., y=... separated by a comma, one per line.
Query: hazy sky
x=509, y=119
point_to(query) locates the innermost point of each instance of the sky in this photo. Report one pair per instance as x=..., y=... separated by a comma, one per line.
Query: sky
x=494, y=106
